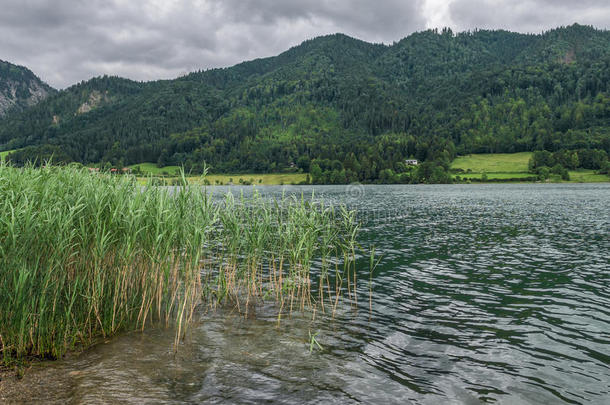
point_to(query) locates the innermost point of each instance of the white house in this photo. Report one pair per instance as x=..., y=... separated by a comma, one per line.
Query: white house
x=412, y=162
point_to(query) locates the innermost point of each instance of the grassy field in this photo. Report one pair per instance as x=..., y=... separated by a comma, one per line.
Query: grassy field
x=496, y=166
x=262, y=179
x=501, y=166
x=222, y=179
x=587, y=176
x=3, y=154
x=493, y=162
x=498, y=176
x=151, y=168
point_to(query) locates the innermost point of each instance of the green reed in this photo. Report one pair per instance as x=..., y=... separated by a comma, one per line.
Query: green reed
x=265, y=250
x=84, y=256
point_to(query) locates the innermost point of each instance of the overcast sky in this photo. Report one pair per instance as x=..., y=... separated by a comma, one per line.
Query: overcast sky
x=66, y=41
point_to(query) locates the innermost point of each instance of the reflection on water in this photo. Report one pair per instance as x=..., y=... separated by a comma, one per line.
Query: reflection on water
x=484, y=293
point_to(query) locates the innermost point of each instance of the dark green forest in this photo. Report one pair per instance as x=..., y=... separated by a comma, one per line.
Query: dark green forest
x=342, y=109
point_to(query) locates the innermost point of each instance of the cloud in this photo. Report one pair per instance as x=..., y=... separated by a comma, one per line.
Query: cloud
x=66, y=41
x=533, y=16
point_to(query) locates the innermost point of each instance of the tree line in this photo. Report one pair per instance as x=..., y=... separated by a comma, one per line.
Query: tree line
x=343, y=109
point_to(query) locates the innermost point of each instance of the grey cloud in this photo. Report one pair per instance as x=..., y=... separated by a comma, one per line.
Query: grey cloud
x=65, y=41
x=373, y=18
x=532, y=16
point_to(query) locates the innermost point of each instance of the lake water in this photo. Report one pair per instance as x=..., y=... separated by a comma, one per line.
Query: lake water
x=484, y=293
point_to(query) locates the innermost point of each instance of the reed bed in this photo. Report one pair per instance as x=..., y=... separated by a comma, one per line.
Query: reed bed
x=84, y=256
x=266, y=250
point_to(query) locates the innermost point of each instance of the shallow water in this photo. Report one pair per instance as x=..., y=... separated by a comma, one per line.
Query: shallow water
x=496, y=293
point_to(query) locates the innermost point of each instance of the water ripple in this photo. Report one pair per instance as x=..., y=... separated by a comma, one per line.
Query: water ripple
x=485, y=293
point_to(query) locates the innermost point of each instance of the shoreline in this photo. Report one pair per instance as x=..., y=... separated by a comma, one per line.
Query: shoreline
x=195, y=181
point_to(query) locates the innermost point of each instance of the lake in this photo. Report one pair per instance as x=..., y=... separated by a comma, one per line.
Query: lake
x=483, y=293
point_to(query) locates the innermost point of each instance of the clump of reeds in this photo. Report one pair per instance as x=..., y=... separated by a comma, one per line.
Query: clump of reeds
x=84, y=255
x=295, y=252
x=87, y=255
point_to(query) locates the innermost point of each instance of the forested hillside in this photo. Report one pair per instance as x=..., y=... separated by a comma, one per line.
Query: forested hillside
x=19, y=88
x=340, y=108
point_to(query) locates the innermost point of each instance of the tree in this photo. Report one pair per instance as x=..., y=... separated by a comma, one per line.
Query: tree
x=574, y=163
x=543, y=173
x=316, y=174
x=350, y=106
x=303, y=163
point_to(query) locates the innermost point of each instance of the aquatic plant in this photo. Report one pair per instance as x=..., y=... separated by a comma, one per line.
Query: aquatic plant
x=313, y=341
x=266, y=249
x=85, y=255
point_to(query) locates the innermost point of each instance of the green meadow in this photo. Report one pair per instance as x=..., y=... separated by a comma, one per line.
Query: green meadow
x=173, y=172
x=152, y=169
x=262, y=179
x=498, y=176
x=495, y=166
x=493, y=162
x=587, y=176
x=3, y=154
x=513, y=166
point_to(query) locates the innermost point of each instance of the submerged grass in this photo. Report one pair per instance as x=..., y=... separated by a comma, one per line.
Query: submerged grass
x=87, y=255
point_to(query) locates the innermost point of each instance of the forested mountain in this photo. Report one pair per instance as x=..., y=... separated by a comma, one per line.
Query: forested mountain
x=19, y=88
x=341, y=108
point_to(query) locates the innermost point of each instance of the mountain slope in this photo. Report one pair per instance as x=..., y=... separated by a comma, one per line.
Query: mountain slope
x=355, y=110
x=20, y=88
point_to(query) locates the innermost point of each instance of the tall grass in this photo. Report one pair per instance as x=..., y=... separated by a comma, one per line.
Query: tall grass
x=86, y=255
x=266, y=249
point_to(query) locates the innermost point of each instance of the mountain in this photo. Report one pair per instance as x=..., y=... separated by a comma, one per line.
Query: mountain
x=20, y=88
x=339, y=107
